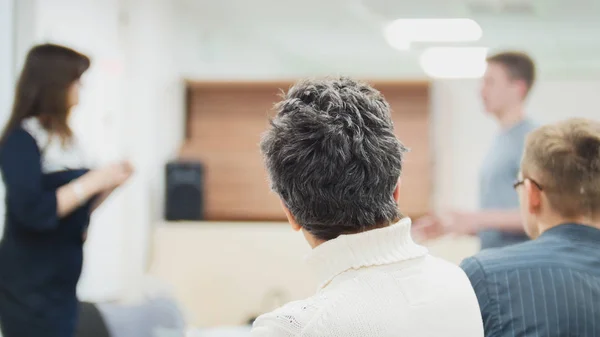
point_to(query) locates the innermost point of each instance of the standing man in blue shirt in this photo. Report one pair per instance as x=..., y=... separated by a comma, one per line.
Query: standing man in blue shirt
x=506, y=85
x=549, y=286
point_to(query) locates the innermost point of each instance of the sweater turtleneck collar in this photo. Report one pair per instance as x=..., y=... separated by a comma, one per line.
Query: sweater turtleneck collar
x=371, y=248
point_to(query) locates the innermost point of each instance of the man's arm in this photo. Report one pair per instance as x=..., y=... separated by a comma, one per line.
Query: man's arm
x=504, y=220
x=467, y=223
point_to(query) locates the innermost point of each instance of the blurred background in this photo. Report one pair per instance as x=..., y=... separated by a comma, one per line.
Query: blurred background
x=195, y=80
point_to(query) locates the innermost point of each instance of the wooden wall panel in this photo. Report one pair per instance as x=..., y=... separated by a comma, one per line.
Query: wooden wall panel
x=224, y=126
x=410, y=112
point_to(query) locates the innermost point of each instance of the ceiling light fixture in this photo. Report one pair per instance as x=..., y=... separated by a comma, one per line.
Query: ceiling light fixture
x=454, y=62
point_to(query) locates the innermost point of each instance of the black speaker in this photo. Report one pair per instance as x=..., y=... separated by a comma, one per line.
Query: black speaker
x=184, y=191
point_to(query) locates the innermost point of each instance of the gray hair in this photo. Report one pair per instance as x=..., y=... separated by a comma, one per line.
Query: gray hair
x=333, y=158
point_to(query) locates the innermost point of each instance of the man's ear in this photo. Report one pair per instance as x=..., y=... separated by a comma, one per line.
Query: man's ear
x=523, y=88
x=290, y=217
x=396, y=193
x=534, y=197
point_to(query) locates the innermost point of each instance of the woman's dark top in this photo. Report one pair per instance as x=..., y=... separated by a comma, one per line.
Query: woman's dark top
x=40, y=253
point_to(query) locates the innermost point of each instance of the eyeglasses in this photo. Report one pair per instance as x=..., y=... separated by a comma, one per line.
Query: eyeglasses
x=521, y=181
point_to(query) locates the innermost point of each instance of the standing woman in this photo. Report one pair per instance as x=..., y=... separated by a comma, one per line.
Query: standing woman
x=50, y=195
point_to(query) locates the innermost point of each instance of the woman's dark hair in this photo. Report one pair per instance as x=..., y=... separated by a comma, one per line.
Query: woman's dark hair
x=43, y=87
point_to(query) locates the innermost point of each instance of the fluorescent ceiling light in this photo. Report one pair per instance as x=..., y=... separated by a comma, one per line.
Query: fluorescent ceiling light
x=402, y=32
x=454, y=62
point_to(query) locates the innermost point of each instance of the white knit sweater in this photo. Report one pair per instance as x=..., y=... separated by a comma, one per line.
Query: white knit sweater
x=379, y=283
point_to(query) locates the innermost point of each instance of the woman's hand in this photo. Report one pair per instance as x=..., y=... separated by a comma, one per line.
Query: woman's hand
x=113, y=175
x=96, y=182
x=118, y=174
x=125, y=172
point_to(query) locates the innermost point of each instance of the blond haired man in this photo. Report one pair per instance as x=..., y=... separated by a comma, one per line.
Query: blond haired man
x=549, y=286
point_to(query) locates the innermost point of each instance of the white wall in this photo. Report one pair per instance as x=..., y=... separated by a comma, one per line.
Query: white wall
x=6, y=73
x=6, y=57
x=153, y=118
x=23, y=30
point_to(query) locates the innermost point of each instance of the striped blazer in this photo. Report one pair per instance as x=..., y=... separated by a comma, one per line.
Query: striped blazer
x=548, y=287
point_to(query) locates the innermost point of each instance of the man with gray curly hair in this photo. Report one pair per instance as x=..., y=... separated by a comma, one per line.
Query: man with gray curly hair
x=334, y=160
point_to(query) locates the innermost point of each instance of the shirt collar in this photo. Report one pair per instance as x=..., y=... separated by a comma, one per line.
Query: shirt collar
x=371, y=248
x=574, y=231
